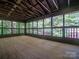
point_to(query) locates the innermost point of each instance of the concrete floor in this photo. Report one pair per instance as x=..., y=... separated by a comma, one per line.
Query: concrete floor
x=25, y=47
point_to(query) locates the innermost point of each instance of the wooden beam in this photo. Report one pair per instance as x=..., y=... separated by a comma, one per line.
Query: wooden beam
x=68, y=3
x=3, y=14
x=35, y=8
x=55, y=4
x=43, y=6
x=14, y=7
x=21, y=10
x=30, y=8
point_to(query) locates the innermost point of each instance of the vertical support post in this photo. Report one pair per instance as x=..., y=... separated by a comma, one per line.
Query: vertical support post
x=2, y=28
x=51, y=26
x=63, y=26
x=43, y=27
x=11, y=27
x=37, y=27
x=25, y=28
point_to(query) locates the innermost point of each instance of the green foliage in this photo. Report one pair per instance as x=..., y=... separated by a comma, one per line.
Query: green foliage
x=40, y=24
x=58, y=21
x=57, y=32
x=72, y=19
x=47, y=22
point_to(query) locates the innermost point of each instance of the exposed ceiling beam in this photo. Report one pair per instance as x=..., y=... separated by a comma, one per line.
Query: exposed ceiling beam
x=21, y=11
x=27, y=11
x=35, y=8
x=32, y=7
x=50, y=6
x=43, y=6
x=68, y=3
x=2, y=14
x=30, y=10
x=14, y=7
x=55, y=4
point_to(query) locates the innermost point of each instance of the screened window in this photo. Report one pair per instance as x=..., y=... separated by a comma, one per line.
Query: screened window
x=14, y=31
x=30, y=31
x=40, y=24
x=27, y=25
x=72, y=19
x=40, y=31
x=0, y=23
x=57, y=21
x=0, y=27
x=22, y=31
x=35, y=24
x=21, y=25
x=6, y=24
x=17, y=30
x=16, y=25
x=0, y=31
x=34, y=31
x=6, y=31
x=27, y=31
x=30, y=25
x=47, y=31
x=57, y=32
x=47, y=22
x=72, y=32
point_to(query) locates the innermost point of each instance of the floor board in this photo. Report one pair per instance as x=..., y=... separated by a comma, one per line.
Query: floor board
x=25, y=47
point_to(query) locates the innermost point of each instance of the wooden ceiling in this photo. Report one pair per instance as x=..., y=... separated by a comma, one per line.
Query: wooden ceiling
x=26, y=9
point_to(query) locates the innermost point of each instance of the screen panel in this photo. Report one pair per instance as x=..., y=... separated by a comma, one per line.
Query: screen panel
x=72, y=19
x=57, y=32
x=47, y=31
x=35, y=24
x=40, y=23
x=6, y=24
x=27, y=31
x=57, y=21
x=22, y=25
x=0, y=31
x=22, y=31
x=72, y=32
x=16, y=25
x=6, y=31
x=30, y=30
x=40, y=31
x=47, y=22
x=34, y=31
x=0, y=23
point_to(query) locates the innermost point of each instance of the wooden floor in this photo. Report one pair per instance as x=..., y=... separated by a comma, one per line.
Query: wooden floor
x=25, y=47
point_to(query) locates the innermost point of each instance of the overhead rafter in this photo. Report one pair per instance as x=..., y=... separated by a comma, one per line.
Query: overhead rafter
x=35, y=8
x=43, y=6
x=14, y=7
x=68, y=3
x=55, y=4
x=30, y=9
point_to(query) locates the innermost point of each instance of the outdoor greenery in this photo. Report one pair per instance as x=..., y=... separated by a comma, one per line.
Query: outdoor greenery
x=57, y=21
x=47, y=31
x=11, y=27
x=40, y=23
x=40, y=31
x=72, y=19
x=57, y=32
x=69, y=27
x=47, y=22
